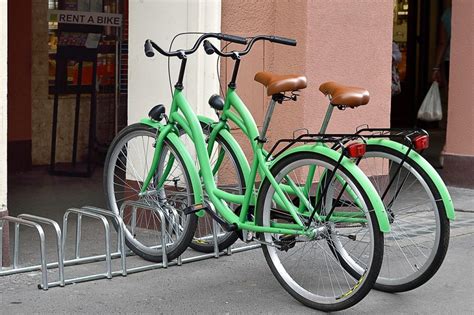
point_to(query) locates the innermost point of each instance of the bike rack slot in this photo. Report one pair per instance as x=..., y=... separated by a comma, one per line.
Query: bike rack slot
x=108, y=259
x=120, y=233
x=164, y=238
x=16, y=269
x=59, y=248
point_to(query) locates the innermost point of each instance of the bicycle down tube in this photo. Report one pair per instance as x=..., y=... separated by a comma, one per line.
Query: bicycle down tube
x=189, y=121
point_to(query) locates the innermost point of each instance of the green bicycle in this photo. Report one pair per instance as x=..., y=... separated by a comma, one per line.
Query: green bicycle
x=415, y=197
x=310, y=248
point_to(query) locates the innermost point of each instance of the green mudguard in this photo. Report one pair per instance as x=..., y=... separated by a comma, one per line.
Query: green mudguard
x=352, y=168
x=426, y=166
x=189, y=162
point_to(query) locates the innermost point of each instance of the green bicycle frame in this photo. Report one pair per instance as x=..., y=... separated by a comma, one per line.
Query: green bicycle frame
x=219, y=128
x=241, y=117
x=182, y=115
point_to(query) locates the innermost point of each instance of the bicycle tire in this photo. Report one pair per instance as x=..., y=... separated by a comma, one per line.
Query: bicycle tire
x=359, y=286
x=150, y=251
x=402, y=230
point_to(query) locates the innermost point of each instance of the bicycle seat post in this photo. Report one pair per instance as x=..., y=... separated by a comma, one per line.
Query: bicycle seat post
x=268, y=117
x=327, y=117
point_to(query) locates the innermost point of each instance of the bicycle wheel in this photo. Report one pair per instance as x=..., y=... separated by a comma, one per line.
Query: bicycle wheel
x=417, y=244
x=127, y=164
x=228, y=176
x=307, y=268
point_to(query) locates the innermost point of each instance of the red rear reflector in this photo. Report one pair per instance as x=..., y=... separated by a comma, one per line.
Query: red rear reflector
x=421, y=142
x=356, y=150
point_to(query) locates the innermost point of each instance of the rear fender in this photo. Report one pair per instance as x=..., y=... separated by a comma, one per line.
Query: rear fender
x=426, y=166
x=355, y=171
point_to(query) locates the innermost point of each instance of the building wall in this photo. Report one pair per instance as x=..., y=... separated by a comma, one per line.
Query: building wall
x=148, y=77
x=459, y=149
x=41, y=107
x=344, y=41
x=460, y=133
x=148, y=83
x=249, y=18
x=349, y=42
x=19, y=87
x=3, y=117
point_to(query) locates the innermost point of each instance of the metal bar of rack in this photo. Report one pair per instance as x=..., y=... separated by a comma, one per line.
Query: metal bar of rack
x=16, y=269
x=108, y=258
x=120, y=233
x=59, y=248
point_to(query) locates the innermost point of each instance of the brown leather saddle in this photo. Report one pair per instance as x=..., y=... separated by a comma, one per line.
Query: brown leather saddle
x=343, y=95
x=340, y=95
x=276, y=83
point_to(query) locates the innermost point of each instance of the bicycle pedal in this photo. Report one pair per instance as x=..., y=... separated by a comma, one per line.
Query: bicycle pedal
x=195, y=208
x=244, y=235
x=207, y=208
x=286, y=242
x=352, y=237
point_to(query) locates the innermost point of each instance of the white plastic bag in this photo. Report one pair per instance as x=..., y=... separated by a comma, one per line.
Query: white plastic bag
x=430, y=109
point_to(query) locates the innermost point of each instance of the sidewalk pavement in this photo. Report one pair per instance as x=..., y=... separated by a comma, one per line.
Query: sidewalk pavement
x=463, y=199
x=242, y=283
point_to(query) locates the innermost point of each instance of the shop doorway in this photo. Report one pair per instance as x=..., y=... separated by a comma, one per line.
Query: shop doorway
x=416, y=27
x=36, y=40
x=35, y=37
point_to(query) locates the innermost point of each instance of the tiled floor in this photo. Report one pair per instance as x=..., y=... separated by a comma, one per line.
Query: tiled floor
x=39, y=193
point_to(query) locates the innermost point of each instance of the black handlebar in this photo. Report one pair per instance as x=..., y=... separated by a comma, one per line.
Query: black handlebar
x=282, y=40
x=149, y=49
x=233, y=38
x=210, y=48
x=150, y=46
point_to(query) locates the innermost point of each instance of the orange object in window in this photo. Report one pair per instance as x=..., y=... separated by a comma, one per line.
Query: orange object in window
x=86, y=73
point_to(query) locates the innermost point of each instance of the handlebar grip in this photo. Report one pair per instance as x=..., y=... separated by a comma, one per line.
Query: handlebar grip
x=208, y=47
x=283, y=40
x=233, y=38
x=149, y=49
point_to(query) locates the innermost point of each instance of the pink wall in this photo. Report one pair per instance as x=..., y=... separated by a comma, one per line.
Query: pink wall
x=460, y=130
x=350, y=42
x=344, y=41
x=249, y=18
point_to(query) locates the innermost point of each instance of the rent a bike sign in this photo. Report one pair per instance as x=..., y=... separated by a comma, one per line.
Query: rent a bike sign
x=85, y=18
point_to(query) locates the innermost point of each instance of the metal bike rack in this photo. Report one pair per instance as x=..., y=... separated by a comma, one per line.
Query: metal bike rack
x=16, y=246
x=93, y=212
x=105, y=223
x=164, y=237
x=59, y=248
x=120, y=233
x=180, y=260
x=100, y=215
